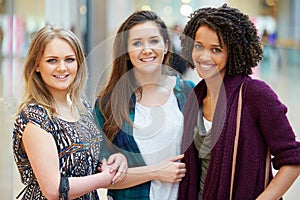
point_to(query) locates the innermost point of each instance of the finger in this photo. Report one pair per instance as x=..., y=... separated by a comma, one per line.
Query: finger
x=116, y=177
x=111, y=159
x=104, y=161
x=115, y=165
x=178, y=180
x=176, y=158
x=121, y=173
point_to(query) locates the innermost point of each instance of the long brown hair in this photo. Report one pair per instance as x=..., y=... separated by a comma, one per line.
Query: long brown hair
x=35, y=90
x=117, y=96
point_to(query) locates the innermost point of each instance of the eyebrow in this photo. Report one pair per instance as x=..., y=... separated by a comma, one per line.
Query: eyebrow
x=152, y=37
x=213, y=45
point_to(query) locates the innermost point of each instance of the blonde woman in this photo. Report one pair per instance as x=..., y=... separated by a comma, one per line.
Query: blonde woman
x=56, y=143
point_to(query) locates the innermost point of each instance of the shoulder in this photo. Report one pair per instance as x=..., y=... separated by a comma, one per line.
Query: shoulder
x=188, y=83
x=260, y=96
x=185, y=85
x=256, y=89
x=34, y=111
x=35, y=114
x=86, y=103
x=97, y=113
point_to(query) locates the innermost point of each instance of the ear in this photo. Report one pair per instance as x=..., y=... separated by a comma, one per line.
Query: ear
x=37, y=69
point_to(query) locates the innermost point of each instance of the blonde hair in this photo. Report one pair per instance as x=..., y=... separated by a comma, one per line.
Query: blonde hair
x=35, y=90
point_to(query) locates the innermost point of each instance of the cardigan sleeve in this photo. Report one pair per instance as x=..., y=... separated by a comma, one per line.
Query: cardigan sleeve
x=270, y=114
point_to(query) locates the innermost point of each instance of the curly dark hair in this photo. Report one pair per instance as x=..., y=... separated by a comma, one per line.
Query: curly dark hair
x=236, y=31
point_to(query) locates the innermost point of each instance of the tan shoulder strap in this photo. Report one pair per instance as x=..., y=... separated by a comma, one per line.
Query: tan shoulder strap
x=236, y=142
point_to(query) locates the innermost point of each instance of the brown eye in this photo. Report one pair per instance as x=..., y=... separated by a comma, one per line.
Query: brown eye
x=217, y=50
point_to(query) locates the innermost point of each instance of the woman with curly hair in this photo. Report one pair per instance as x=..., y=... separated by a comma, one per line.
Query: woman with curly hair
x=225, y=153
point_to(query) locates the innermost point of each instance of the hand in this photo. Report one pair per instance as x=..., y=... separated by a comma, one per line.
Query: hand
x=118, y=163
x=106, y=173
x=171, y=170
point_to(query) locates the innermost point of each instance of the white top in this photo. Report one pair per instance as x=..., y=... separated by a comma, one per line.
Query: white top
x=207, y=124
x=158, y=133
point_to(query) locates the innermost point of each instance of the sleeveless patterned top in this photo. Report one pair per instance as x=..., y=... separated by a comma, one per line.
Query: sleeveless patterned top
x=78, y=145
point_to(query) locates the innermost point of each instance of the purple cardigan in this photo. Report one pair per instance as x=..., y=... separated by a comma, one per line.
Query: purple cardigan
x=263, y=124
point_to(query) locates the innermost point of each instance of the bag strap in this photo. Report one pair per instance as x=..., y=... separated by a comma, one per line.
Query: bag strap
x=268, y=166
x=236, y=141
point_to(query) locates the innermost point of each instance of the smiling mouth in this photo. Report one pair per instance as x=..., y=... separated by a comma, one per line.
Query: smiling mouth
x=61, y=76
x=147, y=59
x=207, y=67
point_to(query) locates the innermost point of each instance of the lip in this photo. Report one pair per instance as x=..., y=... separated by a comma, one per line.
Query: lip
x=206, y=67
x=61, y=77
x=149, y=59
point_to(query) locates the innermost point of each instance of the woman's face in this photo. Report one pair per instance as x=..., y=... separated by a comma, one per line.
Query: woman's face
x=146, y=47
x=58, y=66
x=208, y=56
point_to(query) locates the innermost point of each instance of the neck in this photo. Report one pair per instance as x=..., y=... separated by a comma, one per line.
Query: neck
x=63, y=102
x=148, y=79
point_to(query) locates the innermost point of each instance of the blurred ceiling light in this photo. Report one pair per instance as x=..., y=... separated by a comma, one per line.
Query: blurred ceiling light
x=186, y=10
x=146, y=7
x=83, y=9
x=186, y=1
x=271, y=2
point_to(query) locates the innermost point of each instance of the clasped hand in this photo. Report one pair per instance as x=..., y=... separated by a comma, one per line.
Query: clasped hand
x=115, y=167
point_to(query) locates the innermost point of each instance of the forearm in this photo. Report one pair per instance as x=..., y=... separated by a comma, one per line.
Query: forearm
x=170, y=171
x=282, y=181
x=82, y=185
x=135, y=176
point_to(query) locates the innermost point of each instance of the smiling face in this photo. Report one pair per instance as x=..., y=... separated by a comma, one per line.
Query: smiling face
x=146, y=47
x=208, y=56
x=58, y=66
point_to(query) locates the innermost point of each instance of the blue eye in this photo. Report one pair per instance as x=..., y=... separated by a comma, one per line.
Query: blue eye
x=52, y=60
x=69, y=60
x=154, y=41
x=137, y=43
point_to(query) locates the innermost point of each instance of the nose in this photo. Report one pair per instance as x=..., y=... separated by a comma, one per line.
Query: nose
x=204, y=55
x=62, y=67
x=147, y=49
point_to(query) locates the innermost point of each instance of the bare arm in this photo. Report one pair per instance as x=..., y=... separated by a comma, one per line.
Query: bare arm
x=41, y=150
x=282, y=181
x=167, y=171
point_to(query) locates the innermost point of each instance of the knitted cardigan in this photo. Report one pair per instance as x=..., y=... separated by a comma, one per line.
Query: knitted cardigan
x=263, y=125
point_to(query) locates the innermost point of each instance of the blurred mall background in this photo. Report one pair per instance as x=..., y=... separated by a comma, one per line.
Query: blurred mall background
x=96, y=21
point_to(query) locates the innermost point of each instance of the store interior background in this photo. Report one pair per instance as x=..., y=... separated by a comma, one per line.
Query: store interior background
x=95, y=23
